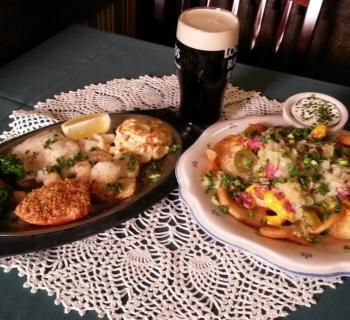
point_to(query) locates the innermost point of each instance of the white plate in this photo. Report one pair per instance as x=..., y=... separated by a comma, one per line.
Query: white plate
x=323, y=260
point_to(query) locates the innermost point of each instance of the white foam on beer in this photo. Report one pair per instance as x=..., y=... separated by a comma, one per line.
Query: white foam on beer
x=209, y=29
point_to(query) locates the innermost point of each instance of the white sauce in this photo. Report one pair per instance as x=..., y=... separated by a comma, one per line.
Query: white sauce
x=313, y=110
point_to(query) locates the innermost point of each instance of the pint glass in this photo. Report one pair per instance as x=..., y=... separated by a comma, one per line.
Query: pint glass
x=205, y=55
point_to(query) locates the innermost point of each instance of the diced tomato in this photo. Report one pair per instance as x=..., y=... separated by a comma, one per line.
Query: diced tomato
x=245, y=199
x=254, y=143
x=270, y=170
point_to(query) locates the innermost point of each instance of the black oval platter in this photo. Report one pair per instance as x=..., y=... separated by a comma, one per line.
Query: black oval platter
x=29, y=238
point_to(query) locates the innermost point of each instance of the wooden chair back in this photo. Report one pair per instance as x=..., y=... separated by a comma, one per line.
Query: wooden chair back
x=185, y=4
x=312, y=10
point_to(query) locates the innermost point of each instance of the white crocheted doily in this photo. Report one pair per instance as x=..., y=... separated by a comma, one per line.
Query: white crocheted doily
x=160, y=265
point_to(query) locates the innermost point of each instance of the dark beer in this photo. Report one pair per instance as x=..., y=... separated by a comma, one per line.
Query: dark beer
x=205, y=55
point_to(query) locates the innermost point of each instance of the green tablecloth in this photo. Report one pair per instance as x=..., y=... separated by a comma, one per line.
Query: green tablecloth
x=80, y=56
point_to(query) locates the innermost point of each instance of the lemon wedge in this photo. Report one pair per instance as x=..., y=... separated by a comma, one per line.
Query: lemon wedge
x=87, y=125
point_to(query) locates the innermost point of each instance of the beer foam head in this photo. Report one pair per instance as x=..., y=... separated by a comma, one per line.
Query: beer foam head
x=209, y=29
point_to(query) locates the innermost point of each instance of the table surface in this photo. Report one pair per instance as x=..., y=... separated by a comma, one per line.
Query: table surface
x=79, y=56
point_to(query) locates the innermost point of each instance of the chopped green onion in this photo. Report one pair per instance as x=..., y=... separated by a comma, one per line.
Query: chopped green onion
x=175, y=147
x=80, y=157
x=228, y=180
x=52, y=169
x=209, y=181
x=48, y=142
x=250, y=213
x=69, y=162
x=337, y=206
x=154, y=166
x=343, y=162
x=275, y=181
x=154, y=177
x=131, y=161
x=215, y=201
x=115, y=187
x=223, y=209
x=292, y=170
x=323, y=189
x=309, y=201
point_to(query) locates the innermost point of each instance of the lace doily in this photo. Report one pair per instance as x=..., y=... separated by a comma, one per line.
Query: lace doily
x=160, y=265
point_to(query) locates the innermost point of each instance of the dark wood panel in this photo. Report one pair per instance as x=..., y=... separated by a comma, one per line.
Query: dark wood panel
x=24, y=24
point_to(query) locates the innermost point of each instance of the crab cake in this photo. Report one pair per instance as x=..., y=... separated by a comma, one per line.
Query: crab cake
x=149, y=139
x=60, y=203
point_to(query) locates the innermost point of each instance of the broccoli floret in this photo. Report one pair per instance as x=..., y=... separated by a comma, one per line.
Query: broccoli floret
x=11, y=168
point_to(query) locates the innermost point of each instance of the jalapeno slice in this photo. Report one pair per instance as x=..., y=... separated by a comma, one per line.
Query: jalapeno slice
x=245, y=160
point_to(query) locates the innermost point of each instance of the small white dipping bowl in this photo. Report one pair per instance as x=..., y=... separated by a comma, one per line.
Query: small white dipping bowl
x=289, y=106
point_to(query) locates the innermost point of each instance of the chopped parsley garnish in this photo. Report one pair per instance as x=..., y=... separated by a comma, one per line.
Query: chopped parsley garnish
x=324, y=114
x=69, y=162
x=155, y=174
x=304, y=182
x=265, y=138
x=292, y=170
x=228, y=180
x=250, y=213
x=131, y=161
x=337, y=206
x=301, y=133
x=209, y=174
x=154, y=165
x=251, y=133
x=316, y=178
x=52, y=169
x=276, y=181
x=323, y=189
x=312, y=159
x=325, y=214
x=115, y=187
x=175, y=148
x=284, y=132
x=65, y=162
x=325, y=211
x=232, y=183
x=11, y=168
x=313, y=238
x=328, y=209
x=209, y=181
x=80, y=157
x=48, y=143
x=223, y=209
